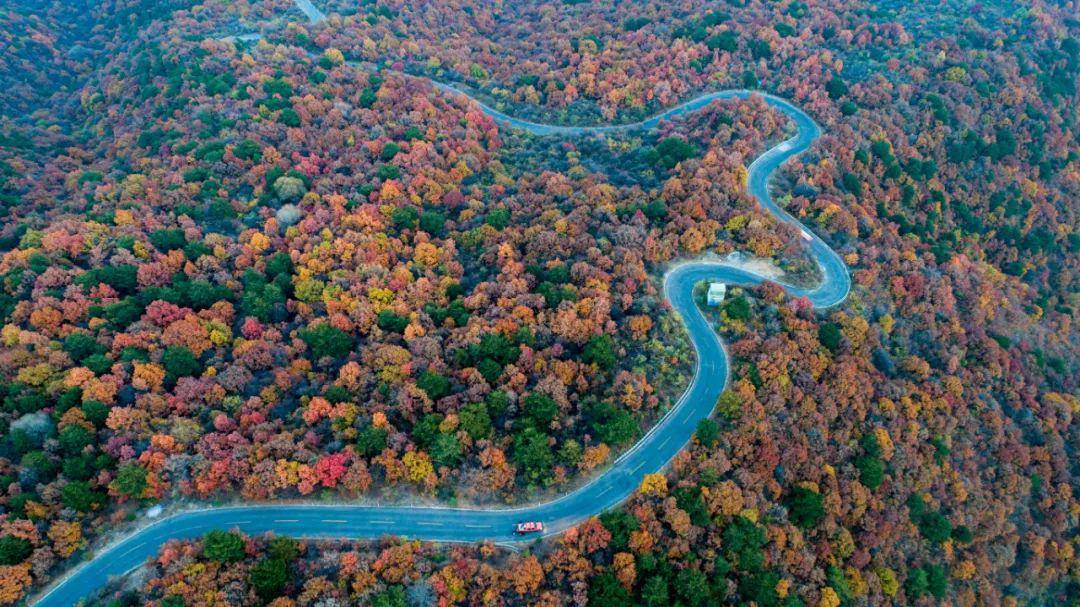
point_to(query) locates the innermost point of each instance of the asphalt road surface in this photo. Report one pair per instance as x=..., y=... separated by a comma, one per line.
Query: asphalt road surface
x=606, y=490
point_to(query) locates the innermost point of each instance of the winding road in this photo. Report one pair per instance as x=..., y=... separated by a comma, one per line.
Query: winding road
x=445, y=524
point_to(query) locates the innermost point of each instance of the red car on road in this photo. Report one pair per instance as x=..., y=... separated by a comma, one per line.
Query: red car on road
x=529, y=527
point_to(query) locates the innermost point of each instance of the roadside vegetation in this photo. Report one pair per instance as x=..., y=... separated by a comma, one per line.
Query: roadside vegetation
x=234, y=271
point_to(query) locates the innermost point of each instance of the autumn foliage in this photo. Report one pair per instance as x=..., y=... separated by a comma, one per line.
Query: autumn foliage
x=261, y=271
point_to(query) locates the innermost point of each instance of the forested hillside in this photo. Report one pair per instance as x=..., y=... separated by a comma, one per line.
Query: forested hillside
x=50, y=47
x=286, y=269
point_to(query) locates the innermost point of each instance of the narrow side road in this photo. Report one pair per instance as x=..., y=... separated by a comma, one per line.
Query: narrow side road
x=607, y=490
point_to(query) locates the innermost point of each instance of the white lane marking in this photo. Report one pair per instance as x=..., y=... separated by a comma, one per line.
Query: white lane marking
x=478, y=526
x=241, y=522
x=334, y=520
x=133, y=549
x=286, y=520
x=427, y=524
x=638, y=467
x=381, y=522
x=606, y=489
x=664, y=442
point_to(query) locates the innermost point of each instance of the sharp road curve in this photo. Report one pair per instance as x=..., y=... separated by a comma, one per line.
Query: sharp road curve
x=606, y=490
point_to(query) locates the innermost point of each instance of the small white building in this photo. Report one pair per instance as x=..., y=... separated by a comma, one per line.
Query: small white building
x=715, y=296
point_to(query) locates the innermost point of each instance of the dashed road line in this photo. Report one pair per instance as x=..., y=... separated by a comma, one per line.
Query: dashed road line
x=133, y=549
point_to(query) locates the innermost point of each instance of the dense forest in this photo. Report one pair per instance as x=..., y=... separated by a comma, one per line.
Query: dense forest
x=284, y=269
